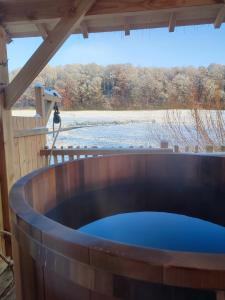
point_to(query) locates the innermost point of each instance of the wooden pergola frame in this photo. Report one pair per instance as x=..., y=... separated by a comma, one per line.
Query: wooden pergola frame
x=55, y=20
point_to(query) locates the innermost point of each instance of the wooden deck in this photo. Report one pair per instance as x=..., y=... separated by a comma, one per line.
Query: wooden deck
x=7, y=291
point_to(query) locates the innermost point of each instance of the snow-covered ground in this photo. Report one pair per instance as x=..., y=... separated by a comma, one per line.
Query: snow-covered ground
x=115, y=128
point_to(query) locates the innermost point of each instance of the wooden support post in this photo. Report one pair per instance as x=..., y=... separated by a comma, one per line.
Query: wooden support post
x=6, y=143
x=45, y=52
x=39, y=101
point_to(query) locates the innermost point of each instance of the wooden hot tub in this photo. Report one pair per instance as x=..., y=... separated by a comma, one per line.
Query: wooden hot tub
x=54, y=261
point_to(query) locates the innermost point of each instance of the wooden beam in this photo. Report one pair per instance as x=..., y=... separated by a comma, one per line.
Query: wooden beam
x=45, y=52
x=113, y=20
x=13, y=11
x=43, y=30
x=117, y=6
x=6, y=143
x=84, y=29
x=30, y=132
x=220, y=17
x=172, y=22
x=98, y=25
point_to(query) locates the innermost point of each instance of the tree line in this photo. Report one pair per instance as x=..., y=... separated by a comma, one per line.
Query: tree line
x=126, y=86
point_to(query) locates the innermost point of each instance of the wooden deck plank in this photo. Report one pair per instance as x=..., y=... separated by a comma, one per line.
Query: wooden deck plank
x=7, y=291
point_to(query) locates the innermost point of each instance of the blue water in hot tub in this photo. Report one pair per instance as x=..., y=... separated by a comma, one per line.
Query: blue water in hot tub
x=160, y=230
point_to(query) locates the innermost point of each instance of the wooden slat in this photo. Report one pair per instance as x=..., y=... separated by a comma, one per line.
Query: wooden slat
x=17, y=124
x=22, y=150
x=30, y=132
x=45, y=52
x=29, y=138
x=6, y=280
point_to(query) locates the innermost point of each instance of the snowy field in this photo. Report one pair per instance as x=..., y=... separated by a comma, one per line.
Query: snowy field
x=113, y=128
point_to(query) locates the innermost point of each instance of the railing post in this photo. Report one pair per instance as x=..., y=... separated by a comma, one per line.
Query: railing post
x=71, y=157
x=55, y=157
x=196, y=149
x=85, y=147
x=94, y=155
x=209, y=148
x=78, y=156
x=222, y=148
x=164, y=144
x=63, y=156
x=176, y=149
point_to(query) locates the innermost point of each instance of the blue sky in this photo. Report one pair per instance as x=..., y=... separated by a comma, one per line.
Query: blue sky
x=195, y=46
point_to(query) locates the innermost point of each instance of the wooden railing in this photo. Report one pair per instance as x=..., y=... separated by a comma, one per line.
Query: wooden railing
x=72, y=153
x=68, y=154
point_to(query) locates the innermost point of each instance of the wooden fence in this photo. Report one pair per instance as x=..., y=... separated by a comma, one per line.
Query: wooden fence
x=30, y=134
x=27, y=147
x=70, y=153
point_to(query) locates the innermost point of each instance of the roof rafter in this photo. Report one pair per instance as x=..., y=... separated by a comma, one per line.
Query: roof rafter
x=172, y=22
x=84, y=29
x=128, y=22
x=220, y=17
